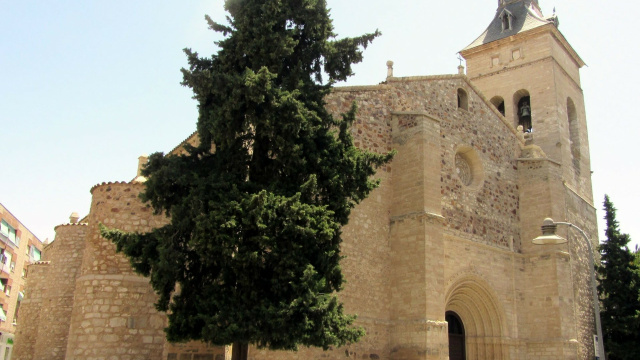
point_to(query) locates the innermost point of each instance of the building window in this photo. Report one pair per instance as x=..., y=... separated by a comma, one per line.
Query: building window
x=17, y=311
x=507, y=20
x=468, y=167
x=498, y=102
x=36, y=255
x=495, y=60
x=463, y=100
x=5, y=260
x=8, y=231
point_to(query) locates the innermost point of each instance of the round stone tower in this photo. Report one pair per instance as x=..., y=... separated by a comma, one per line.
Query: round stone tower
x=114, y=314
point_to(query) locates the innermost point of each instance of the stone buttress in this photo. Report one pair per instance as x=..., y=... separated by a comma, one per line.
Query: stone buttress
x=419, y=330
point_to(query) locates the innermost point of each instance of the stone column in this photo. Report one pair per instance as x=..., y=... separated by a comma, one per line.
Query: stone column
x=418, y=330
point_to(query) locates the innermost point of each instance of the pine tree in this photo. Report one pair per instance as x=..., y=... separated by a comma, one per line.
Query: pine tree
x=619, y=292
x=252, y=251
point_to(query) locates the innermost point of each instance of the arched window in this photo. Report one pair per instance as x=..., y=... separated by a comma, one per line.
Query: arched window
x=522, y=105
x=456, y=336
x=506, y=17
x=574, y=134
x=463, y=100
x=498, y=102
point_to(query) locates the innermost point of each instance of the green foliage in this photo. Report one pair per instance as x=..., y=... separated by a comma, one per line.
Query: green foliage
x=619, y=292
x=252, y=252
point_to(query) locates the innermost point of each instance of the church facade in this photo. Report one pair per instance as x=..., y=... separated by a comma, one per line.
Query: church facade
x=439, y=260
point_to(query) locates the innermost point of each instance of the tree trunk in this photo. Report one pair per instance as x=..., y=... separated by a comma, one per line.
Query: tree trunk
x=239, y=351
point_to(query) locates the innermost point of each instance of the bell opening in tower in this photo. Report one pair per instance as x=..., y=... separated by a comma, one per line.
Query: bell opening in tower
x=524, y=113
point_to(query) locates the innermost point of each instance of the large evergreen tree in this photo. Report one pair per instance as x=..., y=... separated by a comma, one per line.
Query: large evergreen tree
x=619, y=292
x=252, y=252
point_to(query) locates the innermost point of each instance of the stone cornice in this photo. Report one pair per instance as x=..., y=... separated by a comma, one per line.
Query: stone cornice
x=419, y=215
x=531, y=63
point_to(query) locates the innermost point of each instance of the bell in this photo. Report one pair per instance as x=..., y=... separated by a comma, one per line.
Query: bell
x=525, y=110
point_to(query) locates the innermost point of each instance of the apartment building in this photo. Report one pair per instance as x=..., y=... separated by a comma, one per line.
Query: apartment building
x=19, y=247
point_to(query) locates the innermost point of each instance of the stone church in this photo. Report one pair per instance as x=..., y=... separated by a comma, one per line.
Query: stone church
x=439, y=260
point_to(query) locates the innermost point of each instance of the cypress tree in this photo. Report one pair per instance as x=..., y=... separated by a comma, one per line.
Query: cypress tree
x=619, y=291
x=252, y=251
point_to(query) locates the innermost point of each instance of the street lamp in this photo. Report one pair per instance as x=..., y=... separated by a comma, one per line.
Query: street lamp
x=549, y=237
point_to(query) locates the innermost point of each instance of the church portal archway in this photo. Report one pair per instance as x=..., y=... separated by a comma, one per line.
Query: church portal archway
x=481, y=317
x=456, y=336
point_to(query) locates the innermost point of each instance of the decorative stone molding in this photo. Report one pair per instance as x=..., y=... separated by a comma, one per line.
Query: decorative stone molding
x=429, y=217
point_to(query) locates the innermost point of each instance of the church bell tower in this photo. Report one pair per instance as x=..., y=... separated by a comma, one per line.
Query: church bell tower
x=530, y=72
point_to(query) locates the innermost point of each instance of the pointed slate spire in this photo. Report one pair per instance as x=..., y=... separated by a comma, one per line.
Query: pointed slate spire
x=512, y=17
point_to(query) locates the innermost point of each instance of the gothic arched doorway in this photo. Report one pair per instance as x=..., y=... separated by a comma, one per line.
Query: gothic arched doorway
x=456, y=336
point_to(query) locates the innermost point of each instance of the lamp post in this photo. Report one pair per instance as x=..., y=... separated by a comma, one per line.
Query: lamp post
x=549, y=237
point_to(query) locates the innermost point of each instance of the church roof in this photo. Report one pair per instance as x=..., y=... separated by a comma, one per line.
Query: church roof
x=525, y=15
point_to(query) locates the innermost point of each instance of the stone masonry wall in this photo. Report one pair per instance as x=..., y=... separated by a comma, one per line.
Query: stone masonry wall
x=65, y=257
x=487, y=210
x=582, y=214
x=547, y=310
x=30, y=309
x=113, y=315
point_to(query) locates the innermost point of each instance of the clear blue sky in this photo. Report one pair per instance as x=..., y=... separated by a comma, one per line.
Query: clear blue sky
x=88, y=86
